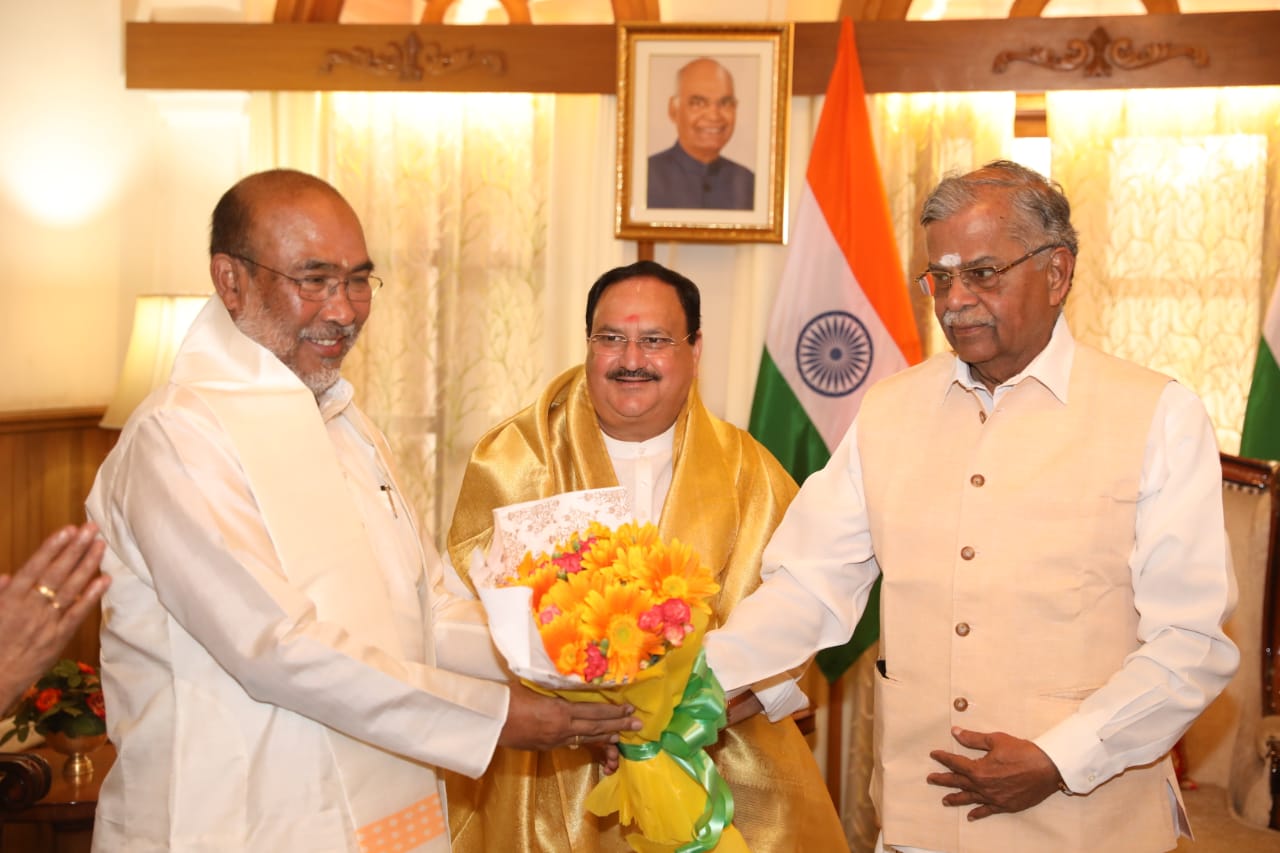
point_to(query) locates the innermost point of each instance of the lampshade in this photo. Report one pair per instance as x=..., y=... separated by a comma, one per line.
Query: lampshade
x=159, y=324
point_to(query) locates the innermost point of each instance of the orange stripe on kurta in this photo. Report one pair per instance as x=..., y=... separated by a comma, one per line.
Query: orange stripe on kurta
x=844, y=177
x=404, y=830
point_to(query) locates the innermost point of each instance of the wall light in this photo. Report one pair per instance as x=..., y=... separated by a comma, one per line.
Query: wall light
x=160, y=323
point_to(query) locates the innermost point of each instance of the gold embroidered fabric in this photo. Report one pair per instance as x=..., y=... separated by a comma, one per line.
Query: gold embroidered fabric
x=727, y=494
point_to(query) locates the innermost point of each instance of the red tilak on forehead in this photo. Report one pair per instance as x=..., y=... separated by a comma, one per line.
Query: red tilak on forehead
x=632, y=318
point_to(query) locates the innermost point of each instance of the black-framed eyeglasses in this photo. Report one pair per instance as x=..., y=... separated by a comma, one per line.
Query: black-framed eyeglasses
x=610, y=344
x=317, y=288
x=976, y=279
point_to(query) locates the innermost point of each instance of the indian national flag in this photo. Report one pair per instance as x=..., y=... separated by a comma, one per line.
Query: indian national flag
x=842, y=318
x=1260, y=437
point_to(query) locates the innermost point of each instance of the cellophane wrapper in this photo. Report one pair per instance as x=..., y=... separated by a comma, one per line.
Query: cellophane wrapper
x=662, y=797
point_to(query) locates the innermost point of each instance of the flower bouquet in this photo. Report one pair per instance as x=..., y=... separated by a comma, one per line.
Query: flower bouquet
x=592, y=607
x=67, y=700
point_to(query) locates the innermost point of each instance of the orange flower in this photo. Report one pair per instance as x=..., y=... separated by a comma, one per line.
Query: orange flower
x=609, y=603
x=47, y=698
x=677, y=573
x=97, y=705
x=614, y=616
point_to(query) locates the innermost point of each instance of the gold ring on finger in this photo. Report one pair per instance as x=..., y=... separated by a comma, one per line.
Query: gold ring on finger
x=51, y=595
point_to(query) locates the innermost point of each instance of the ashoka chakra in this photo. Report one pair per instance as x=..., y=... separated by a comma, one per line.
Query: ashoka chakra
x=834, y=353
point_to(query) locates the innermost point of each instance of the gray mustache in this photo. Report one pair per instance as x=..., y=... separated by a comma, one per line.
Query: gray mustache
x=951, y=318
x=332, y=330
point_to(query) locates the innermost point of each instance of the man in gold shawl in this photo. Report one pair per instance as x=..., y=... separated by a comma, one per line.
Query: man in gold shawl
x=631, y=416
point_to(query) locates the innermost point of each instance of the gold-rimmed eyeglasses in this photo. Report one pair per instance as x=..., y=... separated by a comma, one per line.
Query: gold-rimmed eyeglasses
x=981, y=279
x=610, y=344
x=317, y=288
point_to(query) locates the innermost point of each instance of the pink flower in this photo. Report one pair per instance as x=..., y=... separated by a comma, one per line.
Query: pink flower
x=569, y=563
x=596, y=663
x=651, y=619
x=674, y=634
x=674, y=610
x=548, y=613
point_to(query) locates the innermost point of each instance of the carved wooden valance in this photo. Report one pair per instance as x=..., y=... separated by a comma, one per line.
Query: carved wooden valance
x=1099, y=55
x=1022, y=54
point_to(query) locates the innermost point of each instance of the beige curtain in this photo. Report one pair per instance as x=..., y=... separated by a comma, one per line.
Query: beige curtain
x=920, y=138
x=1176, y=195
x=453, y=193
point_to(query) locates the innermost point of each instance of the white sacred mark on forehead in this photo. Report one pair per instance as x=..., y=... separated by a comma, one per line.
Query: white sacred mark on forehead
x=950, y=260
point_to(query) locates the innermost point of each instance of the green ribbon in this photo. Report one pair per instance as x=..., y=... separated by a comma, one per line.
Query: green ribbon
x=695, y=724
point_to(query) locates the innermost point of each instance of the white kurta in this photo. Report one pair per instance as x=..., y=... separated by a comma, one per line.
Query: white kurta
x=280, y=663
x=820, y=564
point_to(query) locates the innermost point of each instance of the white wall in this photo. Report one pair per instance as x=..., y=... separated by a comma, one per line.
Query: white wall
x=104, y=195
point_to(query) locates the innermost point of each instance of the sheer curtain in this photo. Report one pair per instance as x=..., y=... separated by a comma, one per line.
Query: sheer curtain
x=453, y=194
x=1176, y=195
x=920, y=138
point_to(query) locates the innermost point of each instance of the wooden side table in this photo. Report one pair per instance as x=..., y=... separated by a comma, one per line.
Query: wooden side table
x=62, y=820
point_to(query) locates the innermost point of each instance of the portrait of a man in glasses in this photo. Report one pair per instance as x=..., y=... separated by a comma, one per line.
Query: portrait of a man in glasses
x=692, y=173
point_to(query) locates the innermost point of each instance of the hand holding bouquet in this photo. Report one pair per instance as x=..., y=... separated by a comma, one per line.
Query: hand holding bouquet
x=604, y=613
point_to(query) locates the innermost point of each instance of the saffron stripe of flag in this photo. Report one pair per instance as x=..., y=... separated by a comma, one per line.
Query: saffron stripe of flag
x=842, y=318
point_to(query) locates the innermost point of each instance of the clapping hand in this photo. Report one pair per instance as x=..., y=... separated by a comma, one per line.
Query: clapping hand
x=43, y=602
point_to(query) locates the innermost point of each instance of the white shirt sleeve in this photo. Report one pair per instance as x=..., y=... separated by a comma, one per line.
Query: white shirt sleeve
x=1184, y=589
x=460, y=625
x=818, y=600
x=188, y=526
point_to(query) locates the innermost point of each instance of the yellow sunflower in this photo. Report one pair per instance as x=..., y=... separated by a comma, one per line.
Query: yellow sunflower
x=674, y=571
x=614, y=616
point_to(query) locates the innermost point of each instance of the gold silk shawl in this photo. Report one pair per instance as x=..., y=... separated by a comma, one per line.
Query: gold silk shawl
x=727, y=495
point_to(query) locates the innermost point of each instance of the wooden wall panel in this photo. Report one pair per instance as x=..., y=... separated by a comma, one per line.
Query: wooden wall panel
x=48, y=460
x=1132, y=51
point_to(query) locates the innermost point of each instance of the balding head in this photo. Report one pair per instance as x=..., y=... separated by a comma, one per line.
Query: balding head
x=704, y=108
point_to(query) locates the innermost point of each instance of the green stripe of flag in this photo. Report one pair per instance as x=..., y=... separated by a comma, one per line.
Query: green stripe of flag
x=1260, y=437
x=779, y=423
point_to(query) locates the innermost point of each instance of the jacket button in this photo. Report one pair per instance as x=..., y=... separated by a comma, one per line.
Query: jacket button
x=962, y=629
x=977, y=480
x=960, y=704
x=966, y=553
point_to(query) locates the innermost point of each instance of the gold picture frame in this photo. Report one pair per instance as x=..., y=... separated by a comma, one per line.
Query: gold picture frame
x=703, y=112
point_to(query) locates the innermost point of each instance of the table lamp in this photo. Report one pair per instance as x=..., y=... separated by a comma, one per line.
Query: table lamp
x=159, y=324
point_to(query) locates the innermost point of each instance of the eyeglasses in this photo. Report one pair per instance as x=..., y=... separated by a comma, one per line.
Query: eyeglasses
x=317, y=288
x=976, y=279
x=617, y=344
x=702, y=102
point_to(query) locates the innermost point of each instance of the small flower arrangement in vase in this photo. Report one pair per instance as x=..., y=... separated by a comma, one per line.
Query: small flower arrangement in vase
x=65, y=706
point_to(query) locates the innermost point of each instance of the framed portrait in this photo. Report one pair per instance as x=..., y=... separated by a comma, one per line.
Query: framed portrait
x=702, y=132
